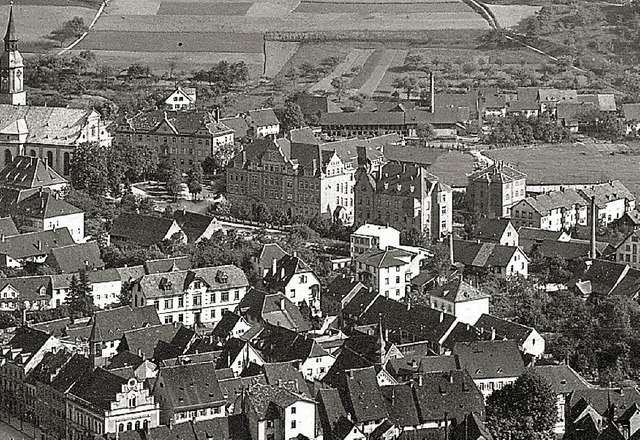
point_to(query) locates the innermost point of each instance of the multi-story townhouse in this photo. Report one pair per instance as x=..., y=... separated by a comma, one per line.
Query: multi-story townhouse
x=389, y=272
x=502, y=261
x=263, y=122
x=553, y=211
x=102, y=402
x=302, y=176
x=628, y=251
x=192, y=297
x=294, y=278
x=26, y=293
x=276, y=413
x=404, y=196
x=612, y=201
x=188, y=392
x=17, y=251
x=182, y=98
x=493, y=190
x=184, y=138
x=18, y=358
x=461, y=299
x=370, y=236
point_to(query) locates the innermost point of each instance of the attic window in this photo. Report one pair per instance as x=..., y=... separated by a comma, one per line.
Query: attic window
x=165, y=284
x=222, y=277
x=478, y=371
x=500, y=370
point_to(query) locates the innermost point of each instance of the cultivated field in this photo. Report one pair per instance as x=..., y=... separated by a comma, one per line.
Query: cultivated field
x=510, y=15
x=152, y=27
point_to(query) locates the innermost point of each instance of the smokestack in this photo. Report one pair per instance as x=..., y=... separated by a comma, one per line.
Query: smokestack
x=274, y=266
x=451, y=258
x=594, y=218
x=432, y=92
x=493, y=334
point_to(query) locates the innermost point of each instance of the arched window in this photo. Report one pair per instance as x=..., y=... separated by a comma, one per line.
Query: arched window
x=121, y=427
x=145, y=424
x=32, y=153
x=137, y=424
x=8, y=157
x=50, y=158
x=66, y=163
x=129, y=426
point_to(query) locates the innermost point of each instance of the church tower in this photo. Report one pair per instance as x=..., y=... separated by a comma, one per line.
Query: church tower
x=12, y=68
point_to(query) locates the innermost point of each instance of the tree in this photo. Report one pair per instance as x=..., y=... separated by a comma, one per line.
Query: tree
x=291, y=116
x=194, y=181
x=340, y=85
x=80, y=300
x=138, y=70
x=408, y=83
x=425, y=132
x=73, y=28
x=523, y=410
x=174, y=183
x=530, y=26
x=89, y=169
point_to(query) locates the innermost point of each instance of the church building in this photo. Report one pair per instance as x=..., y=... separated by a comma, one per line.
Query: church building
x=49, y=133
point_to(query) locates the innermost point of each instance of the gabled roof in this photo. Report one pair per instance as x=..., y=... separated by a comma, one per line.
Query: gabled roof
x=361, y=395
x=603, y=400
x=110, y=325
x=238, y=124
x=543, y=204
x=453, y=392
x=286, y=268
x=316, y=105
x=71, y=372
x=490, y=359
x=556, y=95
x=401, y=405
x=504, y=329
x=43, y=205
x=263, y=396
x=471, y=428
x=191, y=385
x=340, y=287
x=331, y=410
x=193, y=224
x=285, y=374
x=631, y=112
x=8, y=227
x=99, y=387
x=457, y=290
x=28, y=172
x=471, y=253
x=263, y=117
x=568, y=250
x=605, y=193
x=31, y=288
x=270, y=252
x=35, y=243
x=272, y=308
x=29, y=340
x=144, y=341
x=47, y=125
x=562, y=378
x=167, y=265
x=605, y=275
x=178, y=122
x=385, y=258
x=491, y=229
x=605, y=102
x=498, y=172
x=75, y=257
x=279, y=344
x=143, y=229
x=173, y=283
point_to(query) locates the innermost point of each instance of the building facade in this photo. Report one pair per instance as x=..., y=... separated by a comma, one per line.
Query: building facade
x=192, y=297
x=370, y=236
x=492, y=191
x=405, y=197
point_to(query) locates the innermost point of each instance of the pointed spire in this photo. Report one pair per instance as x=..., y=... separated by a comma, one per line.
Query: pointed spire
x=10, y=36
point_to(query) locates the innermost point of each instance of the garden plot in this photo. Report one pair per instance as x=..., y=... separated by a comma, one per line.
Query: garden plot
x=278, y=54
x=321, y=7
x=201, y=8
x=371, y=85
x=398, y=62
x=354, y=60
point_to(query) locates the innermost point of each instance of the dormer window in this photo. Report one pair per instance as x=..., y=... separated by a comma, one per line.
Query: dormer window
x=222, y=277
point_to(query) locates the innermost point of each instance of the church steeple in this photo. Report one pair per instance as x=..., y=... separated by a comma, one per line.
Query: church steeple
x=11, y=68
x=10, y=38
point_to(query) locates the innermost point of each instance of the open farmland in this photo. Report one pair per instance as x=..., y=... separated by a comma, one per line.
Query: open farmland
x=573, y=164
x=36, y=20
x=510, y=15
x=176, y=27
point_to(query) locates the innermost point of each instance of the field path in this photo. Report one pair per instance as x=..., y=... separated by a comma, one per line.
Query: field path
x=84, y=34
x=355, y=58
x=372, y=83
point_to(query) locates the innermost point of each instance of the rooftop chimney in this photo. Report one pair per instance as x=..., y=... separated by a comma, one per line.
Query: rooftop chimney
x=432, y=92
x=493, y=333
x=281, y=303
x=441, y=315
x=274, y=266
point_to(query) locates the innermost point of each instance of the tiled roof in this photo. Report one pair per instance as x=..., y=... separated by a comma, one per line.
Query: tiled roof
x=604, y=275
x=504, y=329
x=278, y=344
x=631, y=112
x=401, y=405
x=285, y=374
x=275, y=309
x=8, y=227
x=55, y=327
x=453, y=392
x=143, y=341
x=35, y=243
x=522, y=105
x=31, y=288
x=43, y=205
x=362, y=397
x=262, y=396
x=491, y=229
x=556, y=95
x=286, y=268
x=407, y=180
x=180, y=122
x=360, y=302
x=263, y=117
x=166, y=265
x=457, y=290
x=410, y=117
x=471, y=253
x=28, y=339
x=193, y=224
x=607, y=192
x=176, y=282
x=99, y=387
x=316, y=105
x=223, y=329
x=110, y=325
x=303, y=136
x=603, y=400
x=238, y=124
x=103, y=276
x=489, y=359
x=131, y=273
x=562, y=378
x=538, y=234
x=191, y=385
x=498, y=172
x=471, y=428
x=568, y=250
x=330, y=408
x=572, y=111
x=384, y=258
x=76, y=257
x=46, y=125
x=143, y=229
x=339, y=287
x=124, y=359
x=270, y=252
x=73, y=370
x=605, y=102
